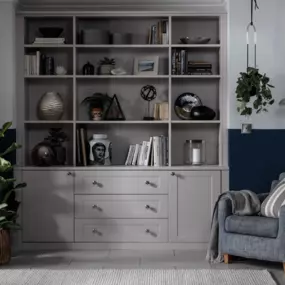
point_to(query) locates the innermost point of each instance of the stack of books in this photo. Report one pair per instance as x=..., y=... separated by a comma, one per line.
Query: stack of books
x=150, y=153
x=49, y=41
x=199, y=68
x=33, y=64
x=179, y=62
x=159, y=34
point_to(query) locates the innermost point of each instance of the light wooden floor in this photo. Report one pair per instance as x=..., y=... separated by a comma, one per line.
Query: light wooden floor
x=130, y=259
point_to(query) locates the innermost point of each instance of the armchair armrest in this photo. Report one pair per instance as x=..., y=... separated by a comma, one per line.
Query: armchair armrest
x=224, y=210
x=281, y=232
x=262, y=197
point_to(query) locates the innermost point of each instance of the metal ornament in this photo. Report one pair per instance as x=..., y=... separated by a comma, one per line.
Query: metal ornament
x=50, y=107
x=148, y=93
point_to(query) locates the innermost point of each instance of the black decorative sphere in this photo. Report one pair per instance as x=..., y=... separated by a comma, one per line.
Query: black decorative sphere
x=148, y=93
x=43, y=155
x=202, y=113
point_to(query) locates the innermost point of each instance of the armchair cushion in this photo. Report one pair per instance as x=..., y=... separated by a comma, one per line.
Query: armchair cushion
x=252, y=225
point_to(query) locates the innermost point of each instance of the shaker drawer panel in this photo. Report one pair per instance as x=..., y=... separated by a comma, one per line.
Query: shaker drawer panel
x=106, y=182
x=121, y=206
x=128, y=230
x=153, y=182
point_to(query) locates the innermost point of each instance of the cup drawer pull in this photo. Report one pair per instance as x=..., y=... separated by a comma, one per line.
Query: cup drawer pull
x=95, y=231
x=151, y=184
x=148, y=231
x=98, y=184
x=96, y=207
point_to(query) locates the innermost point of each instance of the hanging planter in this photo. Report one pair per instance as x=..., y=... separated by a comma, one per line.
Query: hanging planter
x=253, y=92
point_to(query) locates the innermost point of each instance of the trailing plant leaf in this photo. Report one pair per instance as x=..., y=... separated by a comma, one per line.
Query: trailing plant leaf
x=5, y=165
x=252, y=84
x=4, y=129
x=10, y=149
x=3, y=206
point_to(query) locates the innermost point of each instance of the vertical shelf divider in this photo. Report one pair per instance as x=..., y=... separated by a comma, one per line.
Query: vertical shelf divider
x=74, y=89
x=170, y=91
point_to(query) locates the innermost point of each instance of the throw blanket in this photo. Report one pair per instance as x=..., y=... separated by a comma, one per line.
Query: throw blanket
x=244, y=203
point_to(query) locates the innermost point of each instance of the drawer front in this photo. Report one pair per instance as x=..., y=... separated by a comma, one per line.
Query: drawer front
x=153, y=182
x=105, y=182
x=129, y=230
x=121, y=206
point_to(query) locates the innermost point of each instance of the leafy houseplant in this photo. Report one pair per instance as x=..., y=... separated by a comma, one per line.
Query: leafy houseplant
x=253, y=86
x=8, y=203
x=106, y=65
x=98, y=104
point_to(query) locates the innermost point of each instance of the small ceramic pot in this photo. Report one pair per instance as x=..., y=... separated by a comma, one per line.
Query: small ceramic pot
x=88, y=69
x=96, y=114
x=105, y=69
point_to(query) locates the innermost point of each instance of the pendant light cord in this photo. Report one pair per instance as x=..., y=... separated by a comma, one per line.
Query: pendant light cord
x=251, y=24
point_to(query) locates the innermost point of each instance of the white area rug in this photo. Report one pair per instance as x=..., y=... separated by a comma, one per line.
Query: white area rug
x=134, y=277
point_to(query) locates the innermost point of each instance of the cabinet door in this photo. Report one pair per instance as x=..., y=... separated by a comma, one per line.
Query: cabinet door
x=191, y=202
x=48, y=214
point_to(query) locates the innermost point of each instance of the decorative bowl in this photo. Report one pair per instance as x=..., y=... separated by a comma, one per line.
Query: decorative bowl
x=195, y=40
x=51, y=32
x=202, y=113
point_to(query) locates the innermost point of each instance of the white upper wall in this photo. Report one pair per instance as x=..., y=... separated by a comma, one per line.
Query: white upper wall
x=270, y=24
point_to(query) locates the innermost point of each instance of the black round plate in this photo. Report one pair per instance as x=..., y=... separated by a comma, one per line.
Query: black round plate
x=184, y=104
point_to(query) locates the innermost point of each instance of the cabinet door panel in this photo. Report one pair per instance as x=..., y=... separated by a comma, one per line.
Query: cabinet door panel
x=48, y=214
x=192, y=199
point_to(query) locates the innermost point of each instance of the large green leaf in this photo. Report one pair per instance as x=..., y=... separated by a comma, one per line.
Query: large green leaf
x=5, y=165
x=20, y=185
x=3, y=206
x=4, y=129
x=13, y=147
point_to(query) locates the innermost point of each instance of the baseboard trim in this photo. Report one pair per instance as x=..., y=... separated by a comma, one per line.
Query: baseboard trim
x=111, y=246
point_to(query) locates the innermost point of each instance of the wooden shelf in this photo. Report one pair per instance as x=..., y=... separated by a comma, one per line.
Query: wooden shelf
x=122, y=46
x=48, y=122
x=196, y=46
x=48, y=76
x=121, y=122
x=121, y=76
x=196, y=122
x=47, y=46
x=197, y=76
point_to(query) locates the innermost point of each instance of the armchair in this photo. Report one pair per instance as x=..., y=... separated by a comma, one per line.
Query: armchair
x=254, y=237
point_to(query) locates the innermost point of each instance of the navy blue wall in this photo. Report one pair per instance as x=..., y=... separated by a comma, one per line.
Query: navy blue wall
x=256, y=159
x=5, y=142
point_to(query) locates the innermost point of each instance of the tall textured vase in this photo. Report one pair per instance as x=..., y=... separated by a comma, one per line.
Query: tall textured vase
x=5, y=247
x=50, y=107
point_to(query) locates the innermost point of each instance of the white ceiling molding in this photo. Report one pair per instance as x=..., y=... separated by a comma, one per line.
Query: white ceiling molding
x=189, y=6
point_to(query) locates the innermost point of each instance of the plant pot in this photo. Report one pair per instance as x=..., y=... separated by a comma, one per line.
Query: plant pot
x=105, y=69
x=5, y=247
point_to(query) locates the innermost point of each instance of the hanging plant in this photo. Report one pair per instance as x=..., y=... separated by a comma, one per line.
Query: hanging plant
x=253, y=92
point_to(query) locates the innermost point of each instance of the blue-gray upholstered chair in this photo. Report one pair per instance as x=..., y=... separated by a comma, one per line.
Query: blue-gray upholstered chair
x=254, y=237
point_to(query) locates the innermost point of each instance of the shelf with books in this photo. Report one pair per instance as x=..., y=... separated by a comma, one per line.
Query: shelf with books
x=195, y=122
x=48, y=76
x=122, y=136
x=122, y=122
x=127, y=76
x=48, y=46
x=128, y=46
x=196, y=76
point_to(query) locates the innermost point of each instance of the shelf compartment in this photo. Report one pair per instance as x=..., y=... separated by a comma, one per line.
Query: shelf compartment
x=130, y=46
x=207, y=132
x=195, y=26
x=133, y=106
x=196, y=122
x=201, y=46
x=208, y=92
x=122, y=122
x=47, y=122
x=34, y=23
x=122, y=57
x=48, y=46
x=48, y=76
x=86, y=77
x=35, y=89
x=122, y=136
x=137, y=27
x=62, y=57
x=35, y=133
x=196, y=76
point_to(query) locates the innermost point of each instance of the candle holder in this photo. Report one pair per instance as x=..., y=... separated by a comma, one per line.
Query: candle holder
x=194, y=152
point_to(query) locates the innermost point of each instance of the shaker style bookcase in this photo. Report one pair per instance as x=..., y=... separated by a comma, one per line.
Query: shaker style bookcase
x=74, y=86
x=118, y=206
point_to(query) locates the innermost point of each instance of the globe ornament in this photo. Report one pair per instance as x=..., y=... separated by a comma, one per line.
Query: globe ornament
x=148, y=93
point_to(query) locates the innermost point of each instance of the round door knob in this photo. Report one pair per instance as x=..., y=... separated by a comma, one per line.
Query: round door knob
x=69, y=174
x=147, y=231
x=147, y=206
x=94, y=182
x=172, y=173
x=147, y=183
x=94, y=206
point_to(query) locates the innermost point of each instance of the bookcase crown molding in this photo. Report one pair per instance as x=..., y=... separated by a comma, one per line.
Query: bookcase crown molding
x=192, y=7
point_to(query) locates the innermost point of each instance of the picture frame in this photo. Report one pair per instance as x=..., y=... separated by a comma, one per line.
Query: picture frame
x=146, y=65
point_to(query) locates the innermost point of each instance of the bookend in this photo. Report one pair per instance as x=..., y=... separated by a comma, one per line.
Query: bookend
x=114, y=111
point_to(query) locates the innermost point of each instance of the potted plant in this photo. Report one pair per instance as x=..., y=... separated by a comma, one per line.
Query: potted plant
x=8, y=202
x=106, y=65
x=97, y=105
x=253, y=92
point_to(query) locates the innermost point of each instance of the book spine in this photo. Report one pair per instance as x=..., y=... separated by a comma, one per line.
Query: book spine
x=141, y=160
x=167, y=151
x=156, y=151
x=154, y=34
x=27, y=69
x=173, y=62
x=133, y=147
x=78, y=148
x=38, y=62
x=167, y=32
x=163, y=158
x=135, y=155
x=179, y=63
x=176, y=62
x=160, y=151
x=83, y=145
x=149, y=146
x=128, y=156
x=139, y=155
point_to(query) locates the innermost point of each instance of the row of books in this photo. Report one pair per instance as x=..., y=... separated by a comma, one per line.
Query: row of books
x=49, y=41
x=150, y=153
x=159, y=34
x=181, y=66
x=33, y=64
